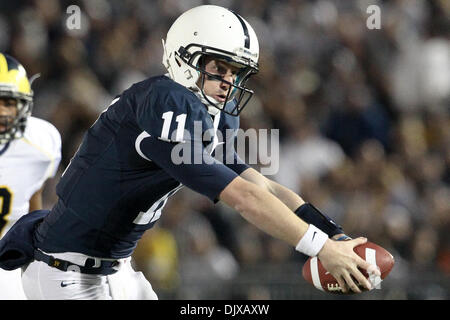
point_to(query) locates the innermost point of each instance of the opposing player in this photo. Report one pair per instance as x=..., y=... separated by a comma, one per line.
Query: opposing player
x=30, y=152
x=156, y=137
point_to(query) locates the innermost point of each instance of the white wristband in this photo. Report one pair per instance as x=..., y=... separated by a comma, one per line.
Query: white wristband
x=312, y=241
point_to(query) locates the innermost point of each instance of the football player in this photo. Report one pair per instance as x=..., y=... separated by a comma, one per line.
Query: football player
x=128, y=166
x=30, y=152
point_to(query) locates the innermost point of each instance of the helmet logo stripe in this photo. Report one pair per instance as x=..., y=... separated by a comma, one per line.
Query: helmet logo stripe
x=12, y=63
x=244, y=27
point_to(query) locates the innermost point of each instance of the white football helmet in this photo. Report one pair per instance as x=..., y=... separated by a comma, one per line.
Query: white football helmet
x=14, y=84
x=218, y=32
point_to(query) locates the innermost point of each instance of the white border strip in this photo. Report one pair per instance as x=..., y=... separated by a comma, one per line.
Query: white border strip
x=371, y=257
x=315, y=273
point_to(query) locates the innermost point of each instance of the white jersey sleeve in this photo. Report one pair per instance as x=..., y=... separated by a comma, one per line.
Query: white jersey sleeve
x=25, y=165
x=43, y=136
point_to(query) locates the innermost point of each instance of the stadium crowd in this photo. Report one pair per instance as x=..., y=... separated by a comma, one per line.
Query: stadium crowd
x=364, y=129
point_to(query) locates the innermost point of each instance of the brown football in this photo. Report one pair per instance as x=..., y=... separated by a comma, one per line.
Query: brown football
x=314, y=273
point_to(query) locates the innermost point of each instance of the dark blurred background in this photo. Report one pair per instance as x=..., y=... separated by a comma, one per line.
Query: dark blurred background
x=364, y=131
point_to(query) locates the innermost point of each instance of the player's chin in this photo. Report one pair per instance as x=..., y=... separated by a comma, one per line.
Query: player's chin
x=5, y=124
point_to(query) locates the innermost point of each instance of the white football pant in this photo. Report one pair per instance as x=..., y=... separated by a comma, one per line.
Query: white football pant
x=42, y=282
x=11, y=285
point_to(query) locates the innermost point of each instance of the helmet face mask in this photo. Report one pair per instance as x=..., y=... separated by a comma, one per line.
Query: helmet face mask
x=15, y=125
x=14, y=84
x=216, y=32
x=237, y=90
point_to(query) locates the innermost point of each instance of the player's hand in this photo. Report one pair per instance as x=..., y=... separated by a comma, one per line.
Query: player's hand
x=339, y=259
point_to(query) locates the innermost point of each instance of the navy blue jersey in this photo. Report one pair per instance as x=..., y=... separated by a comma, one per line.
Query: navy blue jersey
x=129, y=164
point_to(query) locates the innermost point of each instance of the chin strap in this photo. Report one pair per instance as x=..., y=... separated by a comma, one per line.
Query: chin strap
x=212, y=110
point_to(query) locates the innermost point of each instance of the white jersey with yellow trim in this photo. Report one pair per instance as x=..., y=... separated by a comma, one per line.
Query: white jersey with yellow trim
x=25, y=165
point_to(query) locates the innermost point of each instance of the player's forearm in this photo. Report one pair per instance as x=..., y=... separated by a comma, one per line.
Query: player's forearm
x=264, y=210
x=294, y=202
x=285, y=195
